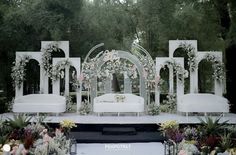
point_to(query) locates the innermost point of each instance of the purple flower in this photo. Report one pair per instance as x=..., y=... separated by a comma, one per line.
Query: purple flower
x=178, y=137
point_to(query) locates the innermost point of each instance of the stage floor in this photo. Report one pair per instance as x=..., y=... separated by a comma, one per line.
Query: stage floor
x=128, y=119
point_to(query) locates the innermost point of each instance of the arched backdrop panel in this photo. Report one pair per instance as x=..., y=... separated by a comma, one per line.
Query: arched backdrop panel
x=123, y=55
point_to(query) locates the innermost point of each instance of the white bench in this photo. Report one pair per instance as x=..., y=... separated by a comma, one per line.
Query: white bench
x=40, y=103
x=109, y=103
x=202, y=103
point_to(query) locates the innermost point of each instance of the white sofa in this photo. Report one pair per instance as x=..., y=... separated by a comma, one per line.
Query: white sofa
x=202, y=102
x=109, y=103
x=40, y=103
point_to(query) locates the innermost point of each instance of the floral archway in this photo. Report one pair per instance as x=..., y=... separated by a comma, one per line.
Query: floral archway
x=132, y=65
x=107, y=64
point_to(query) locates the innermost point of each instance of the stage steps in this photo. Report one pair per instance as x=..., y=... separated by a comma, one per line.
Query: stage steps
x=98, y=137
x=117, y=133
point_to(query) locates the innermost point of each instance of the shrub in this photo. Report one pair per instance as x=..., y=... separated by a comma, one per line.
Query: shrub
x=153, y=109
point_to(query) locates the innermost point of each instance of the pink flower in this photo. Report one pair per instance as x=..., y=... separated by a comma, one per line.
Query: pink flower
x=24, y=152
x=46, y=138
x=43, y=132
x=81, y=77
x=57, y=131
x=157, y=79
x=182, y=152
x=14, y=149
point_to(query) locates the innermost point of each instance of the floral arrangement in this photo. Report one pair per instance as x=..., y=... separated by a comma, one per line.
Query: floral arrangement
x=187, y=148
x=68, y=124
x=68, y=103
x=76, y=82
x=18, y=70
x=169, y=104
x=148, y=71
x=192, y=140
x=170, y=129
x=85, y=108
x=47, y=57
x=218, y=67
x=153, y=109
x=178, y=69
x=58, y=69
x=169, y=125
x=192, y=58
x=155, y=82
x=119, y=98
x=114, y=65
x=89, y=71
x=58, y=144
x=190, y=133
x=33, y=138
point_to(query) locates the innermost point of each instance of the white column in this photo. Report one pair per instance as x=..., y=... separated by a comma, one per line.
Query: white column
x=218, y=88
x=127, y=84
x=171, y=80
x=67, y=78
x=45, y=83
x=41, y=79
x=56, y=87
x=157, y=95
x=194, y=81
x=19, y=90
x=78, y=98
x=180, y=87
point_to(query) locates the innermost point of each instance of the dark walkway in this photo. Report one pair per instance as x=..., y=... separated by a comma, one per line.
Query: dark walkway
x=117, y=133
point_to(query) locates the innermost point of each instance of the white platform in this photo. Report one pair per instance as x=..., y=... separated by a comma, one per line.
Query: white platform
x=128, y=119
x=121, y=149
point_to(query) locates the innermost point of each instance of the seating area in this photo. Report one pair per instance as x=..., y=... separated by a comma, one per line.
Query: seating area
x=118, y=103
x=202, y=103
x=40, y=103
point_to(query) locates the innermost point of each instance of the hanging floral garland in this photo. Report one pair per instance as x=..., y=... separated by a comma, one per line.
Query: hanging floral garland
x=218, y=67
x=88, y=72
x=47, y=57
x=112, y=64
x=18, y=71
x=58, y=69
x=192, y=58
x=148, y=70
x=118, y=66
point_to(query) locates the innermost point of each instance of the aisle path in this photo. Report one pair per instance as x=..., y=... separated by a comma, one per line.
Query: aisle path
x=121, y=149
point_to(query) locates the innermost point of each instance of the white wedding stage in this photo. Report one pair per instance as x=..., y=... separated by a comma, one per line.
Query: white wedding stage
x=136, y=76
x=118, y=96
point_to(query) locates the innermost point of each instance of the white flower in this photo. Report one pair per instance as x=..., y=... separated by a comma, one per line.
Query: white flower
x=185, y=74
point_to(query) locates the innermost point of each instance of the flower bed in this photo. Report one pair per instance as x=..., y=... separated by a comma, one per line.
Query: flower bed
x=34, y=138
x=209, y=137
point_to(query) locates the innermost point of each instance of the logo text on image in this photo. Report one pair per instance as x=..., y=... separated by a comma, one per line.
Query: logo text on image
x=118, y=147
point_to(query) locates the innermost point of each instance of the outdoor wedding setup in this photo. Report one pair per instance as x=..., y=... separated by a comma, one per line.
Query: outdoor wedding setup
x=115, y=96
x=135, y=73
x=117, y=77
